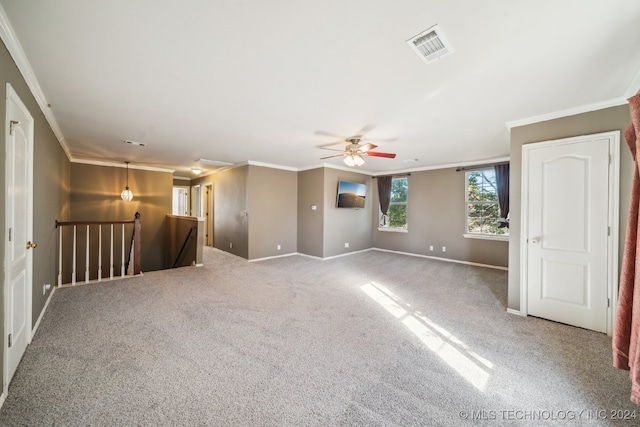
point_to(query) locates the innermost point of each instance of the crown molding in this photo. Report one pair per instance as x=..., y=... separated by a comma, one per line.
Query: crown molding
x=569, y=112
x=10, y=39
x=272, y=166
x=121, y=165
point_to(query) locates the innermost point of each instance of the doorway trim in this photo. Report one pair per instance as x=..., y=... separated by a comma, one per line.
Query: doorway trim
x=12, y=96
x=613, y=218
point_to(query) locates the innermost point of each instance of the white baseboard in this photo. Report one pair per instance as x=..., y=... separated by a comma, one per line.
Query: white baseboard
x=46, y=305
x=3, y=397
x=516, y=312
x=274, y=257
x=475, y=264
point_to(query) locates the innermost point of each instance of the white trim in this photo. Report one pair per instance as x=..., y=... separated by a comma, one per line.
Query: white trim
x=272, y=166
x=614, y=209
x=46, y=305
x=516, y=312
x=568, y=112
x=3, y=397
x=14, y=47
x=612, y=241
x=273, y=257
x=182, y=178
x=121, y=165
x=475, y=264
x=393, y=229
x=500, y=238
x=446, y=166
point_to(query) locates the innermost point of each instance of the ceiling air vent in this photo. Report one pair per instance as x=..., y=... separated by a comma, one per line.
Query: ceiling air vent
x=430, y=44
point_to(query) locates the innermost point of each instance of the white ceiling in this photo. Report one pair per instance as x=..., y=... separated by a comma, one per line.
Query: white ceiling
x=261, y=81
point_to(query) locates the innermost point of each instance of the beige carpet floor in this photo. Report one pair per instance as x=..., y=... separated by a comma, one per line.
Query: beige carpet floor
x=373, y=338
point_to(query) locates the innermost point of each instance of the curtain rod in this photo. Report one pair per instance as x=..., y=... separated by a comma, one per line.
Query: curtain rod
x=478, y=167
x=395, y=174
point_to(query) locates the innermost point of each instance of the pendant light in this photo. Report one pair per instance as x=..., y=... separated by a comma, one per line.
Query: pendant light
x=126, y=194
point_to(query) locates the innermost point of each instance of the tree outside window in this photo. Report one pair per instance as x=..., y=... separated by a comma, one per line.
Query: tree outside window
x=397, y=213
x=483, y=210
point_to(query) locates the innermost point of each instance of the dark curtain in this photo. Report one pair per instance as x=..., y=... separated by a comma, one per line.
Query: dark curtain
x=626, y=332
x=384, y=195
x=502, y=179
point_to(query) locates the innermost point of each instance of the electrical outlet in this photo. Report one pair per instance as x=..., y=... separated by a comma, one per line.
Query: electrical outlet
x=230, y=245
x=346, y=245
x=444, y=249
x=45, y=288
x=279, y=247
x=431, y=248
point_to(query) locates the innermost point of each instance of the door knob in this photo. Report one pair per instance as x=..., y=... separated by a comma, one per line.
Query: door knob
x=535, y=240
x=31, y=245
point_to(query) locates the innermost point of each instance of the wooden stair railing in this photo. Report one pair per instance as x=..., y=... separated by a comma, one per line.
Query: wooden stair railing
x=134, y=253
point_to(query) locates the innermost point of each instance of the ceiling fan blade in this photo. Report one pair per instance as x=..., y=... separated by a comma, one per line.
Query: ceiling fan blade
x=328, y=157
x=325, y=147
x=333, y=135
x=367, y=147
x=378, y=154
x=366, y=129
x=381, y=139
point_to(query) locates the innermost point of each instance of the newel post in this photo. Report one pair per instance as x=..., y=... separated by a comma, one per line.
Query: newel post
x=136, y=244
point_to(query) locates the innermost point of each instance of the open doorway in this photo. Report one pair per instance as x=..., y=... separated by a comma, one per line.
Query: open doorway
x=180, y=204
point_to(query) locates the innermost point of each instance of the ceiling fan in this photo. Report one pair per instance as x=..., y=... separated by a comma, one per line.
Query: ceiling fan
x=354, y=152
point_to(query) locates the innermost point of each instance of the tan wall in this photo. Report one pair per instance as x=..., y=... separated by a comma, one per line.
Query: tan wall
x=95, y=196
x=179, y=230
x=436, y=217
x=311, y=222
x=273, y=219
x=50, y=190
x=230, y=194
x=342, y=225
x=608, y=119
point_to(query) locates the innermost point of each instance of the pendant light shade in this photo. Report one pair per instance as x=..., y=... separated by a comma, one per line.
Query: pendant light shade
x=126, y=194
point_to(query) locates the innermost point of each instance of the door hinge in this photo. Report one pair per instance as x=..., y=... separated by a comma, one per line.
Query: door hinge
x=10, y=340
x=10, y=233
x=608, y=231
x=11, y=123
x=608, y=302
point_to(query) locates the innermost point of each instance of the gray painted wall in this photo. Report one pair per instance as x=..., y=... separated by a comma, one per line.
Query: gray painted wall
x=95, y=196
x=230, y=194
x=273, y=208
x=436, y=217
x=608, y=119
x=341, y=225
x=311, y=222
x=50, y=189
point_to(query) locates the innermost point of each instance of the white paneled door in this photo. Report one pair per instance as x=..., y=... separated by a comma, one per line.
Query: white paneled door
x=19, y=222
x=566, y=230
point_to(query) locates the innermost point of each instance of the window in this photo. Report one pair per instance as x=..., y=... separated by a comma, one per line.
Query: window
x=483, y=207
x=396, y=217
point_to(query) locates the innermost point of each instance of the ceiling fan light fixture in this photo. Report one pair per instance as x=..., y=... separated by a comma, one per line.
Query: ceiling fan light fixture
x=196, y=171
x=354, y=160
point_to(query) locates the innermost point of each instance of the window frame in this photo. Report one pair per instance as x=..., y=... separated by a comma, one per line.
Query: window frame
x=405, y=203
x=467, y=202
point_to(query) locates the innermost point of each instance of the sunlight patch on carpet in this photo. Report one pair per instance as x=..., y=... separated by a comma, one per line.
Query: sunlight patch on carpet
x=455, y=353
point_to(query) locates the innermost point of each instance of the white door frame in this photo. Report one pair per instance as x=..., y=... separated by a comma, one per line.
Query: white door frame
x=12, y=96
x=613, y=222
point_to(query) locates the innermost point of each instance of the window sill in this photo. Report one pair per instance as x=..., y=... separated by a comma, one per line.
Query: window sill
x=393, y=230
x=486, y=237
